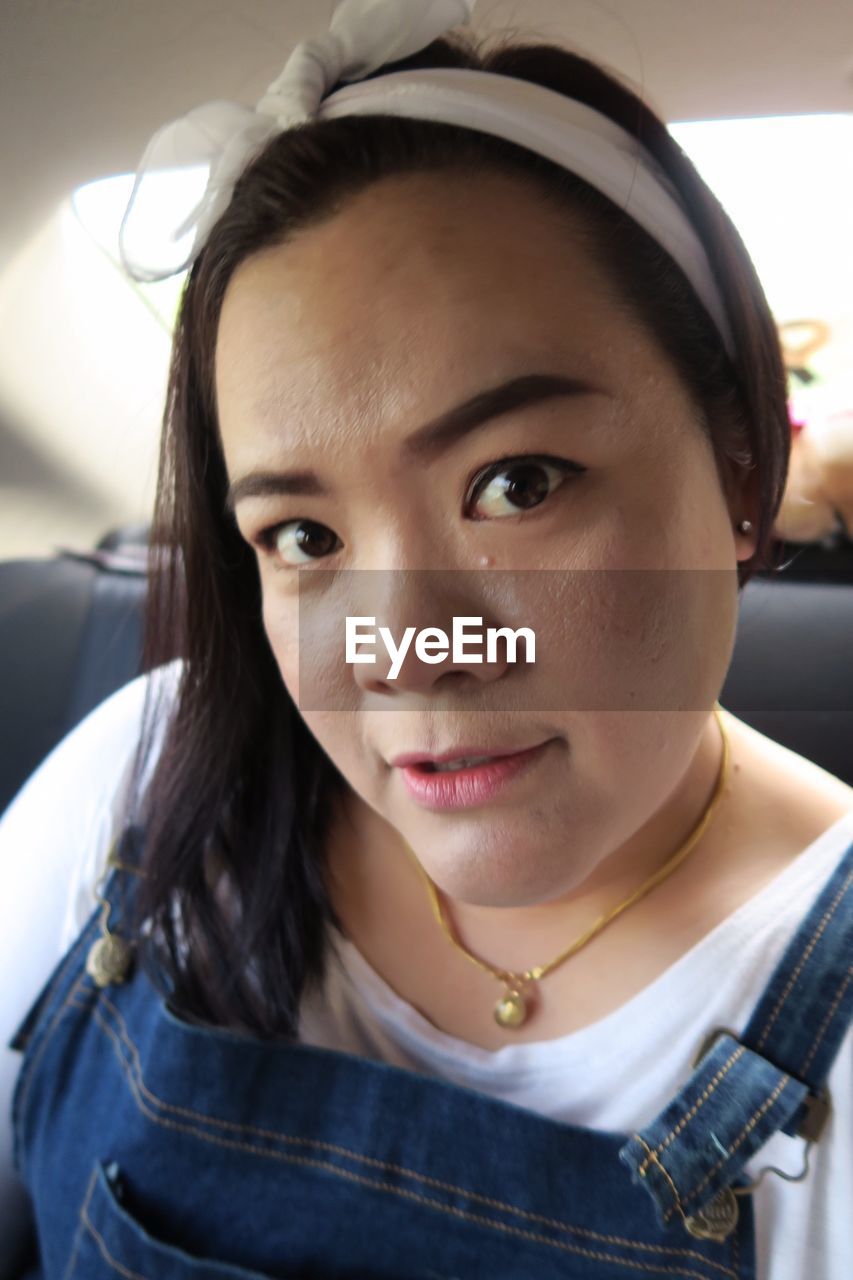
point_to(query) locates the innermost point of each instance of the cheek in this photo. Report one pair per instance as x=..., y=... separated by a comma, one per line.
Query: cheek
x=305, y=671
x=305, y=625
x=629, y=763
x=623, y=639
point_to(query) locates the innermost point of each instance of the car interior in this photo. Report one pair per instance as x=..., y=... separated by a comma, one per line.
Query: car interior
x=758, y=93
x=84, y=352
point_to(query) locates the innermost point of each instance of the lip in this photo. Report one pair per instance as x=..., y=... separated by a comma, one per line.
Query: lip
x=471, y=786
x=457, y=753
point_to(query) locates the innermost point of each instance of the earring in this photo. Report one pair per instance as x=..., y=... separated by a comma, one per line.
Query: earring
x=744, y=526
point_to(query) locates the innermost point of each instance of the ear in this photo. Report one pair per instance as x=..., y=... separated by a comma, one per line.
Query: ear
x=743, y=500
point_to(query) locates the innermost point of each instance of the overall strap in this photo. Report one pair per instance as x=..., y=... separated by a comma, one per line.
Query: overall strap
x=92, y=942
x=745, y=1087
x=111, y=957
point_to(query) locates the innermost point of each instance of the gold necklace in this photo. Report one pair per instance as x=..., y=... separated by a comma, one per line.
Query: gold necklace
x=512, y=1008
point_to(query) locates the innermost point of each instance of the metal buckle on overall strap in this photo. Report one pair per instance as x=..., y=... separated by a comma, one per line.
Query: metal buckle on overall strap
x=718, y=1218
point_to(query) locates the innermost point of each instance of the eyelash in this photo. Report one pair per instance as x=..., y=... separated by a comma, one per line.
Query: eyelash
x=266, y=538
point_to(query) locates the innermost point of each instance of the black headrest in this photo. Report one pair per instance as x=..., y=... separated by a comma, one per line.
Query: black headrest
x=70, y=635
x=791, y=675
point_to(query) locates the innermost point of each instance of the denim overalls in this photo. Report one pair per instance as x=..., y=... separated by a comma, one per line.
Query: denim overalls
x=158, y=1149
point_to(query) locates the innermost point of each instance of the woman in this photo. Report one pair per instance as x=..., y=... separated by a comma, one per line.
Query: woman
x=351, y=1008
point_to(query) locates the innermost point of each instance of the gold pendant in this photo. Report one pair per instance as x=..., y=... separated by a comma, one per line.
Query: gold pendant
x=511, y=1009
x=108, y=960
x=718, y=1219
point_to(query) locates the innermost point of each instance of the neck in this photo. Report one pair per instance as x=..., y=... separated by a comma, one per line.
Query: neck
x=369, y=856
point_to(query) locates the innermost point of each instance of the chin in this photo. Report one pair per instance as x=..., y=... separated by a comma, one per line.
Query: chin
x=500, y=877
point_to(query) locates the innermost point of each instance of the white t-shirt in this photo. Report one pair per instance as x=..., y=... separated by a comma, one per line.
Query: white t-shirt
x=615, y=1074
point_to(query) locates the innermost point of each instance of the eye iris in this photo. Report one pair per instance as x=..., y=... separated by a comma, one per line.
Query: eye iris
x=313, y=539
x=531, y=489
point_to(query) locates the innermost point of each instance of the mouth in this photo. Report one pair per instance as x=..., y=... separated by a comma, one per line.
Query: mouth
x=469, y=781
x=453, y=766
x=458, y=758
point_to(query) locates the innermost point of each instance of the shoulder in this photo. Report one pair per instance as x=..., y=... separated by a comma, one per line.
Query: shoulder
x=84, y=766
x=54, y=837
x=790, y=798
x=58, y=829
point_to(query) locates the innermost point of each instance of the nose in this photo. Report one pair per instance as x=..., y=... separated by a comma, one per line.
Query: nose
x=414, y=605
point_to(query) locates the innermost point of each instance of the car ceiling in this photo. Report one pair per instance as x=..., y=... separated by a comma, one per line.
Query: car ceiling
x=83, y=83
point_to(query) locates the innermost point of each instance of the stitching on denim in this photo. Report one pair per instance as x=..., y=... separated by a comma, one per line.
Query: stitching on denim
x=405, y=1193
x=815, y=938
x=368, y=1160
x=33, y=1050
x=102, y=1247
x=30, y=1068
x=825, y=1025
x=747, y=1129
x=652, y=1158
x=78, y=1235
x=691, y=1114
x=327, y=1166
x=402, y=1192
x=358, y=1156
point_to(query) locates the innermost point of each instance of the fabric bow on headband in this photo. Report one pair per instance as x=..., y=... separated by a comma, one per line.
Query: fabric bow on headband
x=187, y=174
x=186, y=177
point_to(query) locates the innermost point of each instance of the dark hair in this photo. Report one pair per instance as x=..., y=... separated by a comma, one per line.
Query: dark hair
x=241, y=789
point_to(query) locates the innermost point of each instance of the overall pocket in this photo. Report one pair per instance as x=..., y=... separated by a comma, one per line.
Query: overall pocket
x=110, y=1243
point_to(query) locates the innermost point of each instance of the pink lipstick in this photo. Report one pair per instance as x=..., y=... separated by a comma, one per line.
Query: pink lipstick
x=470, y=785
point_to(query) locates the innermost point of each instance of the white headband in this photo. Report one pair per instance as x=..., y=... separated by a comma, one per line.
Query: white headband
x=198, y=158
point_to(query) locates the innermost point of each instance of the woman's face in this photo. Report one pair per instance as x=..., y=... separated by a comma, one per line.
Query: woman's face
x=593, y=515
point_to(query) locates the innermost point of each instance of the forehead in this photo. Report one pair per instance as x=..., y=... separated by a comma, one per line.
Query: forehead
x=418, y=283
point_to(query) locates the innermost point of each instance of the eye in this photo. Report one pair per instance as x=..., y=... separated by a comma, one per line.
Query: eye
x=514, y=485
x=298, y=542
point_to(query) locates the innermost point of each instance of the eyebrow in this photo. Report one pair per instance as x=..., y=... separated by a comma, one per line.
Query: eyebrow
x=429, y=440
